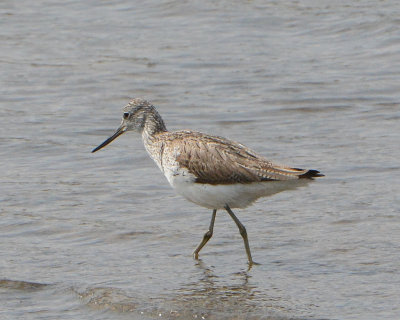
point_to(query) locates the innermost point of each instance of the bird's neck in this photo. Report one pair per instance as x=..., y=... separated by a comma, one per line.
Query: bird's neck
x=153, y=126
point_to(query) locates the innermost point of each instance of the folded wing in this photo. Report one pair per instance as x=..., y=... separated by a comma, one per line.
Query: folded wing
x=216, y=160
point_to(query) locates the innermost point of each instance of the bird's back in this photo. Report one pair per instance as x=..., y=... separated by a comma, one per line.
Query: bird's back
x=213, y=171
x=219, y=161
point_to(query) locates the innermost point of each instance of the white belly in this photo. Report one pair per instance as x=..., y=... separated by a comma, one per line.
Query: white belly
x=233, y=195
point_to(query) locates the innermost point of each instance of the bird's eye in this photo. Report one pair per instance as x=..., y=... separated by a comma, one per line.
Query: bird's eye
x=126, y=115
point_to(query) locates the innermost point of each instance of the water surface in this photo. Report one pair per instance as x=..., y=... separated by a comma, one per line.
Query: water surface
x=99, y=236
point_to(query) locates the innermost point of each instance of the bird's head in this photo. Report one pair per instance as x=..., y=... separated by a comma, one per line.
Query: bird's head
x=134, y=118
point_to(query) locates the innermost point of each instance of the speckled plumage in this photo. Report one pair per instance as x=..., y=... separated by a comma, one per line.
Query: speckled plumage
x=210, y=171
x=216, y=160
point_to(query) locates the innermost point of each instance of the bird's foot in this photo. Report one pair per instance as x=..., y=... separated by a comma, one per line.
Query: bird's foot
x=252, y=263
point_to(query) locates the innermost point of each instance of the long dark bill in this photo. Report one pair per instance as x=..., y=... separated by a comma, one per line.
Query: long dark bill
x=117, y=133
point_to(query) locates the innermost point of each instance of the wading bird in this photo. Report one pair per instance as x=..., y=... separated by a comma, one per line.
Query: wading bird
x=213, y=172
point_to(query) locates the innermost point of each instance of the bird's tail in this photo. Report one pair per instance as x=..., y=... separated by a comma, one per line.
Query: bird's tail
x=311, y=174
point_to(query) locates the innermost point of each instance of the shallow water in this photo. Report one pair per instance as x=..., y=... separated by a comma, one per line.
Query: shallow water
x=100, y=236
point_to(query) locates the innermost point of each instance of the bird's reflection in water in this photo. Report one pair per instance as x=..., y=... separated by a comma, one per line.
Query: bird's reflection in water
x=220, y=297
x=207, y=296
x=227, y=295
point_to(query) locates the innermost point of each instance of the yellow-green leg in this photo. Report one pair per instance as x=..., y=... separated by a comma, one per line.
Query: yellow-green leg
x=243, y=233
x=207, y=236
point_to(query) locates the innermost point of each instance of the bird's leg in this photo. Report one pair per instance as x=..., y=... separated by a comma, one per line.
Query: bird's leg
x=243, y=233
x=207, y=236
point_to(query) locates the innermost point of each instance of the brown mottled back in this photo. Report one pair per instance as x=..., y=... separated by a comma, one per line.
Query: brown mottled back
x=216, y=160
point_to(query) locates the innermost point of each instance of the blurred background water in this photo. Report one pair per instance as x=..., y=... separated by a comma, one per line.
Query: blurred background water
x=312, y=84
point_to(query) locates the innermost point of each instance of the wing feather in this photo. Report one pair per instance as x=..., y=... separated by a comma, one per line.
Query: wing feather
x=216, y=160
